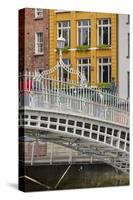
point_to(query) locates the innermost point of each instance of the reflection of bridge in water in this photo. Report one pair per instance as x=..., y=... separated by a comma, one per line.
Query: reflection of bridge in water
x=86, y=120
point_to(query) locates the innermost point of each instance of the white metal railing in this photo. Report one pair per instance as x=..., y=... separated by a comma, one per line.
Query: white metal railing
x=50, y=93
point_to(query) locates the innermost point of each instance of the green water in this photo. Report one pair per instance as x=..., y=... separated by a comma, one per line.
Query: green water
x=78, y=176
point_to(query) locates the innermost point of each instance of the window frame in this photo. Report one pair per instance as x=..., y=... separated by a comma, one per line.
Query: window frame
x=102, y=64
x=68, y=73
x=37, y=11
x=37, y=43
x=102, y=25
x=84, y=65
x=82, y=27
x=61, y=28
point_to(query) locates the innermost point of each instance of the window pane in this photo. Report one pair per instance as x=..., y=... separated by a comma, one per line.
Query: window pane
x=65, y=75
x=79, y=69
x=40, y=37
x=105, y=35
x=99, y=22
x=79, y=37
x=100, y=35
x=110, y=35
x=40, y=48
x=85, y=69
x=89, y=36
x=65, y=24
x=100, y=60
x=105, y=21
x=59, y=33
x=59, y=24
x=85, y=36
x=105, y=60
x=100, y=74
x=66, y=61
x=105, y=74
x=79, y=61
x=65, y=35
x=85, y=61
x=39, y=42
x=85, y=22
x=39, y=12
x=109, y=73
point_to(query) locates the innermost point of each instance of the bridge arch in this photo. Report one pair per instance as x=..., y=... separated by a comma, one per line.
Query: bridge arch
x=105, y=140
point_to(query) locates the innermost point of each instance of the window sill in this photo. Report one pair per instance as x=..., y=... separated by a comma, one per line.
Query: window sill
x=83, y=48
x=37, y=18
x=63, y=50
x=62, y=11
x=104, y=48
x=38, y=54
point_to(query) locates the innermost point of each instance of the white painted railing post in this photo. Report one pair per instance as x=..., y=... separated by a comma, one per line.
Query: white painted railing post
x=81, y=99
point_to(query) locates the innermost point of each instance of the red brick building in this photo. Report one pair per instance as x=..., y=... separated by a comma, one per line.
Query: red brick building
x=33, y=39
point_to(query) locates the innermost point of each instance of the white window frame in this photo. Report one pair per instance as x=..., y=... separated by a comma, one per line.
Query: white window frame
x=61, y=28
x=37, y=43
x=38, y=13
x=84, y=65
x=82, y=27
x=68, y=65
x=108, y=25
x=108, y=64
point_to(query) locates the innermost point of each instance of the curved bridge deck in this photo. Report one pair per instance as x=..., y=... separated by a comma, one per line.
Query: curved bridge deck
x=98, y=128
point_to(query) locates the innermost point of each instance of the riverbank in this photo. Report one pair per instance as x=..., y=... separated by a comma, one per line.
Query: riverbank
x=55, y=177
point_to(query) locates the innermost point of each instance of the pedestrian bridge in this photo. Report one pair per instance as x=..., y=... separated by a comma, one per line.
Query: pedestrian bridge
x=84, y=119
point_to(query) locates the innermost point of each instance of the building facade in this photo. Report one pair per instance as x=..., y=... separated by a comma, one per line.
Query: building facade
x=33, y=39
x=90, y=46
x=124, y=56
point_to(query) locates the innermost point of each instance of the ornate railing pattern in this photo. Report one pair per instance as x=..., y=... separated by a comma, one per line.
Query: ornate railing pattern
x=53, y=94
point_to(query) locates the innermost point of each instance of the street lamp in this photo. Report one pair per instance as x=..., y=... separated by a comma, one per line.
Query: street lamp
x=60, y=46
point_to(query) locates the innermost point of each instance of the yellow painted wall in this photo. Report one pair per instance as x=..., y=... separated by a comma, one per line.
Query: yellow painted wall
x=73, y=55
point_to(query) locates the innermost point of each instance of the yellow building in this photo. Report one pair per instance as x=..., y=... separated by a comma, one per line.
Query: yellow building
x=91, y=44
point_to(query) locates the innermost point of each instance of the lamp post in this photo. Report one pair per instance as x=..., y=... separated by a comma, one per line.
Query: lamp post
x=60, y=46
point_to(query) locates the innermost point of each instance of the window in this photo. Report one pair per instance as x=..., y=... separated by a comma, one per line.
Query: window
x=64, y=73
x=63, y=29
x=104, y=68
x=39, y=43
x=104, y=32
x=84, y=32
x=128, y=48
x=84, y=67
x=38, y=13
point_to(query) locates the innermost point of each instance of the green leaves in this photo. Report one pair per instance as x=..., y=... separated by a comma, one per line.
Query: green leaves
x=83, y=47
